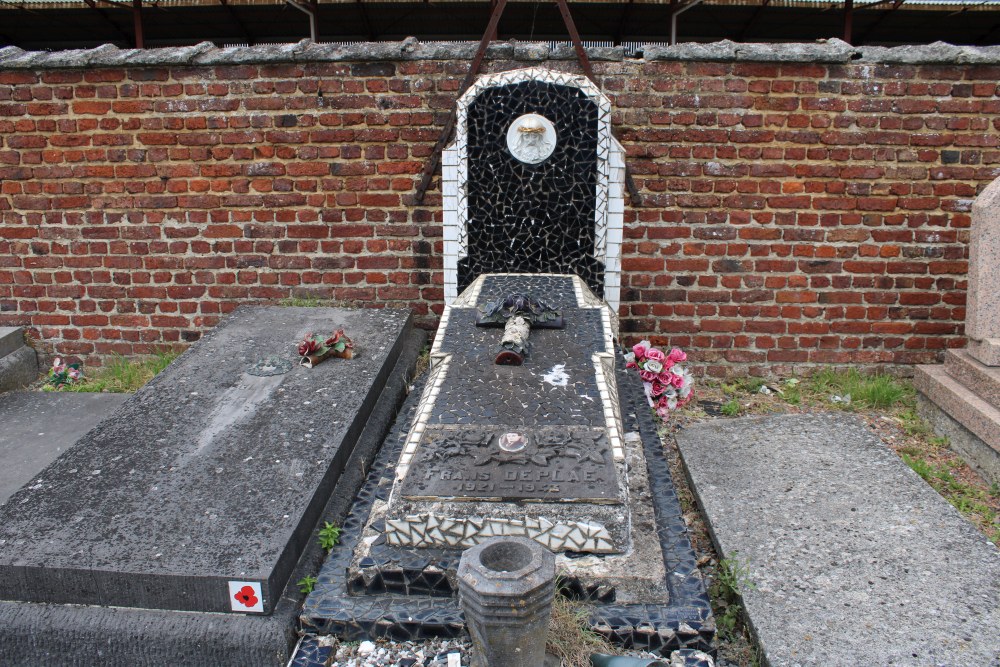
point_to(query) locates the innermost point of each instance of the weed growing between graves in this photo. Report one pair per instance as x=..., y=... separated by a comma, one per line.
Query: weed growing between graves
x=306, y=584
x=121, y=375
x=328, y=536
x=731, y=578
x=570, y=637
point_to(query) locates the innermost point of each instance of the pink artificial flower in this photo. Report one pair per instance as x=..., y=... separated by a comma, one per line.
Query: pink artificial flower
x=658, y=387
x=665, y=376
x=664, y=402
x=639, y=349
x=664, y=413
x=677, y=381
x=631, y=364
x=676, y=356
x=655, y=354
x=647, y=376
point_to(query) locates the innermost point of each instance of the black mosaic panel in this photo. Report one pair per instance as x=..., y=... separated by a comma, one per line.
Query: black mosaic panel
x=685, y=623
x=310, y=654
x=532, y=218
x=556, y=463
x=557, y=291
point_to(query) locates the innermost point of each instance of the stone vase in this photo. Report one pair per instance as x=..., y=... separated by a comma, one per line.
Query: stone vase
x=506, y=586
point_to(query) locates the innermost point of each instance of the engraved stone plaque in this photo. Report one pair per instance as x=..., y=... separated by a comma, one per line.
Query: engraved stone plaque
x=556, y=463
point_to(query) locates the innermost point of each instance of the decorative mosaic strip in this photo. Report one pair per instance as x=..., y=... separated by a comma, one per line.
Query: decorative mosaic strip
x=427, y=399
x=609, y=191
x=604, y=369
x=429, y=530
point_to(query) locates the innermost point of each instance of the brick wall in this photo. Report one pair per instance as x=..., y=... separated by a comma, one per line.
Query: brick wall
x=793, y=212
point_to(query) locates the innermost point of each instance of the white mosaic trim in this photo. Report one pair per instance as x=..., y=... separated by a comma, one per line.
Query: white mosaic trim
x=430, y=530
x=604, y=369
x=609, y=193
x=470, y=297
x=609, y=317
x=425, y=407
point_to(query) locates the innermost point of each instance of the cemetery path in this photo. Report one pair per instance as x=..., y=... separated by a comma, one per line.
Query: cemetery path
x=39, y=427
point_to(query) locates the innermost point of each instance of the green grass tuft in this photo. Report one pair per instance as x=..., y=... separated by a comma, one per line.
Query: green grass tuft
x=730, y=408
x=121, y=375
x=877, y=391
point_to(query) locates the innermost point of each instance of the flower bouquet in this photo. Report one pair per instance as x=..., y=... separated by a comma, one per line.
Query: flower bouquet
x=62, y=375
x=668, y=385
x=315, y=348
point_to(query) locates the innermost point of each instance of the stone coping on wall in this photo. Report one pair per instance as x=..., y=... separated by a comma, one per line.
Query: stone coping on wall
x=206, y=53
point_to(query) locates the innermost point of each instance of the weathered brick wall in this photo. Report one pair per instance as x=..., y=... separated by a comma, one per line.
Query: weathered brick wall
x=812, y=211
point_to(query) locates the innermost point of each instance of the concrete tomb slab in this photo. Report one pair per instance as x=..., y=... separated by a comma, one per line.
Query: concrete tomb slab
x=853, y=558
x=200, y=491
x=38, y=427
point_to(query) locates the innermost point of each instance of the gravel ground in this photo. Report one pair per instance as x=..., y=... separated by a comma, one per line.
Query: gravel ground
x=386, y=653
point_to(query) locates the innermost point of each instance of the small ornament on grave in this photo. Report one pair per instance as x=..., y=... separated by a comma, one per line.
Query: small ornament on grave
x=518, y=314
x=667, y=384
x=63, y=375
x=316, y=348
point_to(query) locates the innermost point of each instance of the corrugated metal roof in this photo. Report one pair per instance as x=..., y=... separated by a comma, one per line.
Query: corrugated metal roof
x=951, y=5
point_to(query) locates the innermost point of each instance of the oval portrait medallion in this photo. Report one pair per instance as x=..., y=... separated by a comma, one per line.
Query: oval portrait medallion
x=531, y=138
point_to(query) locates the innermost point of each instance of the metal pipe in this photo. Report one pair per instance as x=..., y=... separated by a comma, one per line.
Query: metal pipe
x=673, y=19
x=308, y=11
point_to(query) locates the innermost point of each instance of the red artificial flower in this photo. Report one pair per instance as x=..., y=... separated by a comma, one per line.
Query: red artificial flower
x=246, y=597
x=308, y=346
x=334, y=339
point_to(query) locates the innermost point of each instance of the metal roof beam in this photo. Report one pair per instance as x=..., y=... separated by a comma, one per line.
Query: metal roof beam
x=239, y=24
x=879, y=20
x=621, y=24
x=366, y=20
x=114, y=26
x=753, y=20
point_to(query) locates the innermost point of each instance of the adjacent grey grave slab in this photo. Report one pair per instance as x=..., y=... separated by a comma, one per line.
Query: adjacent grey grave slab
x=856, y=561
x=207, y=481
x=37, y=428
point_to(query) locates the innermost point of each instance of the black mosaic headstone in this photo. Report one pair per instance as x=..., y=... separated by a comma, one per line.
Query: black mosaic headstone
x=532, y=218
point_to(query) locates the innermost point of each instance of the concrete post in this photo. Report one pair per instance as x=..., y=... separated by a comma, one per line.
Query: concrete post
x=506, y=586
x=982, y=314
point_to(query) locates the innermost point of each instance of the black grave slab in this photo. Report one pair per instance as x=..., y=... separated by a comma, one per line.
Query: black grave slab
x=532, y=218
x=207, y=475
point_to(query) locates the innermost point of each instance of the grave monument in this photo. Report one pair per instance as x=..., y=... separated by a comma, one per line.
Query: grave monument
x=962, y=396
x=525, y=434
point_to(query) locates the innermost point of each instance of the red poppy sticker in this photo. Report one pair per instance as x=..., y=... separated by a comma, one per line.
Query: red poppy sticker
x=245, y=596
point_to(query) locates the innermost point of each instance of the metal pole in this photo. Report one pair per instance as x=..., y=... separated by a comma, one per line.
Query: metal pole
x=137, y=23
x=673, y=19
x=848, y=20
x=308, y=11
